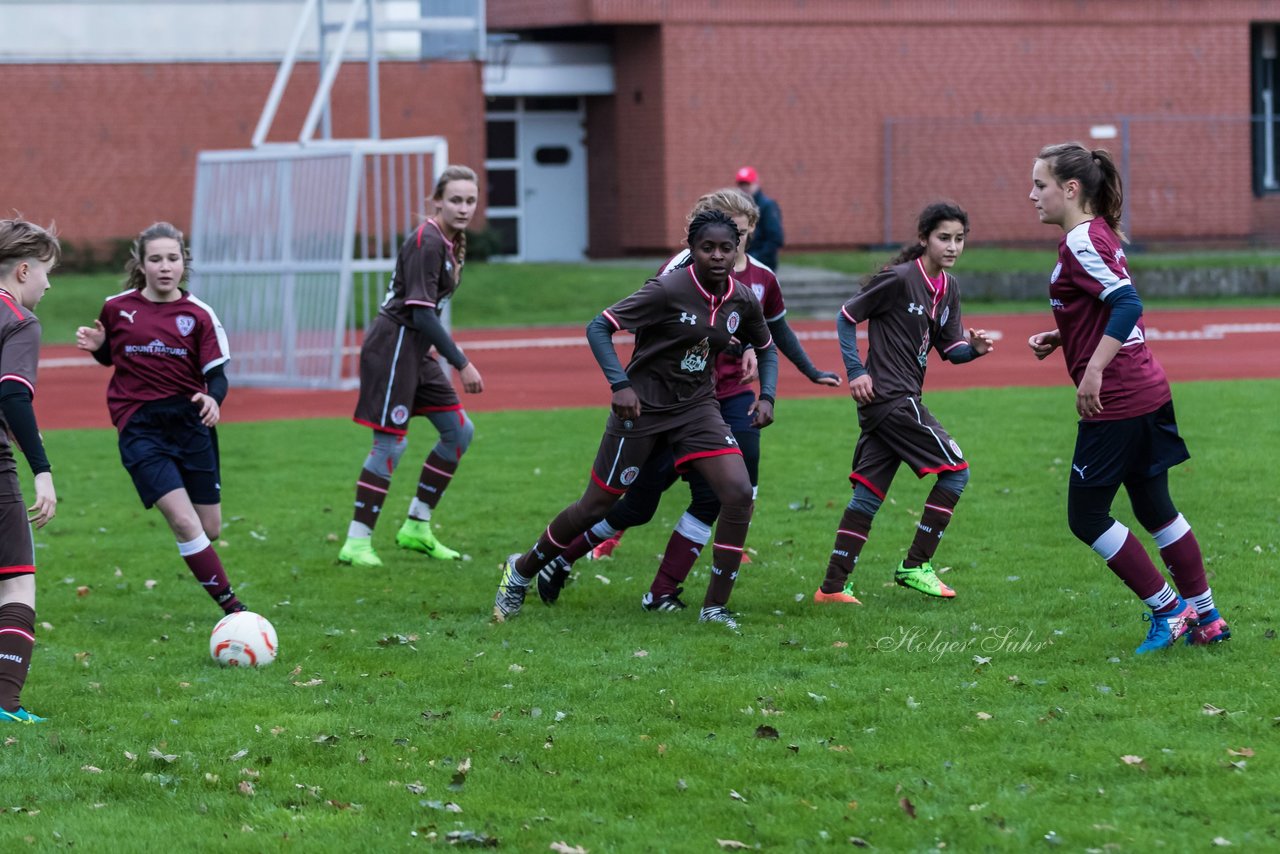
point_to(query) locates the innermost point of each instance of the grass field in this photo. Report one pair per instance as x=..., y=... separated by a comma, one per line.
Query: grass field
x=399, y=716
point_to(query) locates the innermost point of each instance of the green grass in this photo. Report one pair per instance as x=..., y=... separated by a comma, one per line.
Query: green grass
x=997, y=719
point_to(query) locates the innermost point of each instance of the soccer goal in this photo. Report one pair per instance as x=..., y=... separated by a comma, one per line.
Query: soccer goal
x=294, y=246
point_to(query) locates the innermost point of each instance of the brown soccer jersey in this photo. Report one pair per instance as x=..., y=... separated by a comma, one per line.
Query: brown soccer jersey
x=427, y=273
x=680, y=329
x=908, y=314
x=19, y=353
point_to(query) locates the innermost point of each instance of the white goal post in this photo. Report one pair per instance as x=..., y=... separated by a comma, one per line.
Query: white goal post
x=294, y=246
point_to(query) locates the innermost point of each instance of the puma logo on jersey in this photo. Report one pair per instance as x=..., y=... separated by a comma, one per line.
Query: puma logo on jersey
x=128, y=315
x=691, y=319
x=915, y=308
x=1078, y=470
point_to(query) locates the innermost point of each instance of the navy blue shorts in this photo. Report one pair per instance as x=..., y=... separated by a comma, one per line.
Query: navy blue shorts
x=167, y=448
x=1110, y=452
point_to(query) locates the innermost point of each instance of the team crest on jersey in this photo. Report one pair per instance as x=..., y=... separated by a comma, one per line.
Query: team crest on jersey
x=732, y=323
x=695, y=358
x=629, y=475
x=758, y=290
x=185, y=324
x=399, y=414
x=955, y=449
x=1057, y=271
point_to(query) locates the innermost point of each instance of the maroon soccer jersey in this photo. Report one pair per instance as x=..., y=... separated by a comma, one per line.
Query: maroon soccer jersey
x=680, y=328
x=908, y=314
x=427, y=273
x=159, y=350
x=1091, y=266
x=19, y=353
x=764, y=284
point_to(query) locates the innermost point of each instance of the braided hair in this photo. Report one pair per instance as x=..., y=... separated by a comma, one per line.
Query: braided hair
x=455, y=172
x=135, y=276
x=706, y=219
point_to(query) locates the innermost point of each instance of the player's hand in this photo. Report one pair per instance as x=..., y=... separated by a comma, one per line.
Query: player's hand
x=828, y=379
x=750, y=365
x=91, y=338
x=625, y=404
x=761, y=413
x=1089, y=394
x=472, y=382
x=210, y=412
x=860, y=389
x=980, y=341
x=46, y=506
x=1044, y=343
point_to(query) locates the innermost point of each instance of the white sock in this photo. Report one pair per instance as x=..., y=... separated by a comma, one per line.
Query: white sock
x=419, y=510
x=1202, y=603
x=359, y=531
x=1163, y=599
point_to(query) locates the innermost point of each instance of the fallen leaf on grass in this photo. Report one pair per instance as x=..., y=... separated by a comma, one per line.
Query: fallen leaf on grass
x=765, y=731
x=92, y=769
x=1244, y=751
x=566, y=848
x=246, y=788
x=82, y=591
x=1221, y=842
x=603, y=580
x=130, y=756
x=1211, y=710
x=415, y=788
x=840, y=644
x=641, y=653
x=150, y=584
x=296, y=670
x=859, y=842
x=155, y=753
x=9, y=740
x=908, y=807
x=736, y=796
x=310, y=683
x=983, y=716
x=238, y=755
x=732, y=845
x=1130, y=759
x=981, y=660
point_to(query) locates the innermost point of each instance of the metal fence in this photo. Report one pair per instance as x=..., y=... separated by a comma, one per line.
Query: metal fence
x=1185, y=177
x=294, y=246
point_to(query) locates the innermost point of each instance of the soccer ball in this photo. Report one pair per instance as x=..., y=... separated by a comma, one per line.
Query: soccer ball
x=243, y=639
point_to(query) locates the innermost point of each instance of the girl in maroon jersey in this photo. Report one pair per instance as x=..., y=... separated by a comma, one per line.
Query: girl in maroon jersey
x=27, y=254
x=168, y=350
x=910, y=307
x=400, y=377
x=1127, y=432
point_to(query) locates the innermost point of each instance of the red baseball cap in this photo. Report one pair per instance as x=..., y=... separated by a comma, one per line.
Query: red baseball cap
x=747, y=175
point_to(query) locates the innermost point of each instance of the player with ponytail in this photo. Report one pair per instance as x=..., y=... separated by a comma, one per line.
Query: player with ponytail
x=1127, y=433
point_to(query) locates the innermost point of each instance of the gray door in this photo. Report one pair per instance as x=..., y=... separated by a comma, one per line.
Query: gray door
x=553, y=161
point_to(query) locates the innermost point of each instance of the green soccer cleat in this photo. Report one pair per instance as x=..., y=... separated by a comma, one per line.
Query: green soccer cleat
x=19, y=716
x=924, y=579
x=416, y=535
x=358, y=551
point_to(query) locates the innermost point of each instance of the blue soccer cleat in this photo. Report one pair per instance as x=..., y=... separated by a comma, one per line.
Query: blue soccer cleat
x=20, y=716
x=1166, y=628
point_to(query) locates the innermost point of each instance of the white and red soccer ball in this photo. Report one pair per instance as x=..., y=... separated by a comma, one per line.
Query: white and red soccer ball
x=243, y=639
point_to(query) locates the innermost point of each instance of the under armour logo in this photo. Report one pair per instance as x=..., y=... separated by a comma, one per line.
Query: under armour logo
x=915, y=308
x=691, y=319
x=1078, y=470
x=128, y=315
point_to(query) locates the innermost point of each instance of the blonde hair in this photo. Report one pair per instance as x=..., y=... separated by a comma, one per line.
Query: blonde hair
x=135, y=276
x=730, y=201
x=455, y=172
x=21, y=240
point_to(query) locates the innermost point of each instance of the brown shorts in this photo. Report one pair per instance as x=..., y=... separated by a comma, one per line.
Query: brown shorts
x=690, y=436
x=17, y=550
x=908, y=434
x=399, y=378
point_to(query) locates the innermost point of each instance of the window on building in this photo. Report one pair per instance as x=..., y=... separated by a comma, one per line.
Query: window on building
x=1266, y=109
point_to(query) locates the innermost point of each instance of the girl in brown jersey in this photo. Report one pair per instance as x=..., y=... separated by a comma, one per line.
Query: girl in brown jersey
x=1127, y=433
x=168, y=352
x=27, y=253
x=911, y=307
x=400, y=377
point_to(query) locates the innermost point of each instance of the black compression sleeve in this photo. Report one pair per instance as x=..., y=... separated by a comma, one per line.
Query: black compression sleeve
x=426, y=321
x=15, y=403
x=600, y=338
x=216, y=380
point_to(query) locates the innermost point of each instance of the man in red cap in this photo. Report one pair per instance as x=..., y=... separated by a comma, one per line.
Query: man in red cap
x=766, y=240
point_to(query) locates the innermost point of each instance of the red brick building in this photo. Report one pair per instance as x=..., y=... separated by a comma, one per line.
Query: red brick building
x=855, y=112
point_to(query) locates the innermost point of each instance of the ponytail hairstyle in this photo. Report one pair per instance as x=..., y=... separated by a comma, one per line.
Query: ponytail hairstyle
x=455, y=172
x=706, y=219
x=730, y=201
x=1098, y=176
x=929, y=219
x=135, y=277
x=24, y=241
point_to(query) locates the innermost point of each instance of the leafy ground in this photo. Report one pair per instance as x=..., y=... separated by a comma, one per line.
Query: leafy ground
x=1015, y=716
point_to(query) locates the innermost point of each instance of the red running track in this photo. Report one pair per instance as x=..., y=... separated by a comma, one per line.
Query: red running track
x=549, y=368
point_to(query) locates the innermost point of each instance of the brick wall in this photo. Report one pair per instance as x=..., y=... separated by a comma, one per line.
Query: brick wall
x=107, y=149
